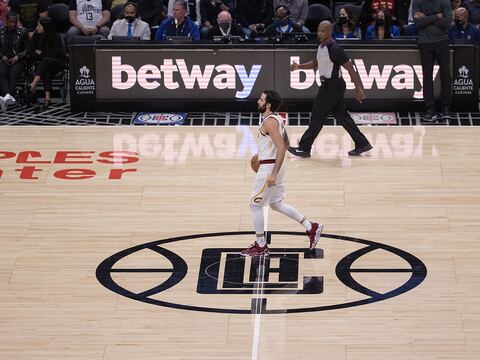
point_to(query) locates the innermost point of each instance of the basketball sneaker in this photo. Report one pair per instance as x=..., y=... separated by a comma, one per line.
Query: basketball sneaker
x=314, y=234
x=255, y=250
x=298, y=152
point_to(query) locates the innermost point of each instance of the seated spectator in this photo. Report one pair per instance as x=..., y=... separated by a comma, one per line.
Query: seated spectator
x=178, y=25
x=12, y=49
x=28, y=13
x=455, y=4
x=254, y=15
x=48, y=52
x=3, y=12
x=382, y=28
x=193, y=11
x=462, y=29
x=88, y=17
x=345, y=26
x=209, y=10
x=370, y=9
x=117, y=2
x=150, y=11
x=130, y=26
x=224, y=27
x=298, y=11
x=282, y=24
x=473, y=8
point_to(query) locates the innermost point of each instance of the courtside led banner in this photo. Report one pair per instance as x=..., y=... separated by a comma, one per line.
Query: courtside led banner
x=152, y=77
x=236, y=75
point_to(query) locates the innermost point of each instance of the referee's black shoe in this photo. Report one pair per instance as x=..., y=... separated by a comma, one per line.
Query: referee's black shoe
x=361, y=150
x=445, y=115
x=298, y=152
x=430, y=116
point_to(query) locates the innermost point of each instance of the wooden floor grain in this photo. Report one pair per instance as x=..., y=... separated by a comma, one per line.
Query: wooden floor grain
x=417, y=190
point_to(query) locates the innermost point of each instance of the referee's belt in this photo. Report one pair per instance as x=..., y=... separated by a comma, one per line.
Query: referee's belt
x=267, y=161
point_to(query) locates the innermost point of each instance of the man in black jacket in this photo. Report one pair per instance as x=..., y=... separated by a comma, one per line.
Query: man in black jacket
x=254, y=15
x=433, y=19
x=12, y=50
x=225, y=27
x=150, y=11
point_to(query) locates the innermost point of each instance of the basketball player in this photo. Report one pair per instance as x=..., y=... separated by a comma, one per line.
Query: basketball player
x=268, y=188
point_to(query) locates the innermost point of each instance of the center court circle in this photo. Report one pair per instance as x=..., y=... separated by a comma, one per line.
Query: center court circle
x=179, y=269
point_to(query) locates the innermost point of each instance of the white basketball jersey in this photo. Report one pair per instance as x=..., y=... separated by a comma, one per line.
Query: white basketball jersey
x=89, y=12
x=266, y=147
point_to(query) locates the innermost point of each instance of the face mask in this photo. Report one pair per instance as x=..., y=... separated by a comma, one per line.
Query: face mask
x=458, y=22
x=130, y=19
x=342, y=20
x=380, y=22
x=225, y=26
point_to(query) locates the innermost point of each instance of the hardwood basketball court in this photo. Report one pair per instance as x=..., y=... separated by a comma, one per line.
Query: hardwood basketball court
x=135, y=256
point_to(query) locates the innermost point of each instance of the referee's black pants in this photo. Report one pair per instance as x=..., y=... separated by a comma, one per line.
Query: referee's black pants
x=330, y=100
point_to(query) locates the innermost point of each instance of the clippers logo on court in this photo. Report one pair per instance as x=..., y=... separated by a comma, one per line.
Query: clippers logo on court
x=84, y=85
x=463, y=83
x=205, y=272
x=143, y=118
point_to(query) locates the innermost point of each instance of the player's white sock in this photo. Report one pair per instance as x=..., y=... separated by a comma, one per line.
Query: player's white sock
x=261, y=241
x=292, y=213
x=306, y=224
x=258, y=223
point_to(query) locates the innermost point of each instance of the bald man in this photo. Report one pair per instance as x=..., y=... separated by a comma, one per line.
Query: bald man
x=225, y=27
x=330, y=98
x=462, y=29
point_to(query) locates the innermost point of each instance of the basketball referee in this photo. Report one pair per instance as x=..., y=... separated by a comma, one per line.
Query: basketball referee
x=330, y=97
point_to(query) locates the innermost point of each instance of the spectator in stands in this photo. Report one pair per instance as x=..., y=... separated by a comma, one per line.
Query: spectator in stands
x=117, y=2
x=209, y=10
x=455, y=4
x=473, y=8
x=298, y=11
x=12, y=49
x=462, y=29
x=193, y=11
x=88, y=17
x=433, y=18
x=224, y=27
x=282, y=24
x=382, y=28
x=150, y=11
x=28, y=13
x=3, y=12
x=48, y=52
x=130, y=26
x=178, y=25
x=346, y=25
x=410, y=29
x=370, y=8
x=254, y=15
